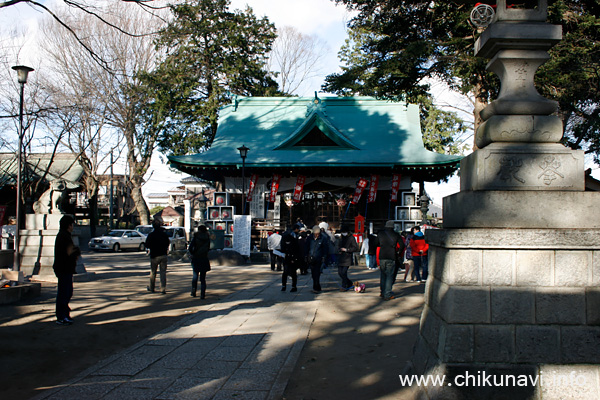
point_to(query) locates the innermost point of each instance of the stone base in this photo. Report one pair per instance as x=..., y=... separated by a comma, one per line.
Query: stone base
x=22, y=291
x=43, y=221
x=515, y=209
x=528, y=166
x=512, y=302
x=501, y=381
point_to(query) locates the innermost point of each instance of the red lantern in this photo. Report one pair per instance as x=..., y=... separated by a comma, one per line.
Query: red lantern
x=214, y=214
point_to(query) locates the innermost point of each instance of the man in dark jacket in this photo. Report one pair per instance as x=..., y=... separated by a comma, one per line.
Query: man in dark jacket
x=158, y=244
x=293, y=256
x=65, y=262
x=317, y=249
x=389, y=243
x=346, y=247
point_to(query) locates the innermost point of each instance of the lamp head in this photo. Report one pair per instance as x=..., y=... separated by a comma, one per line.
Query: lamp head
x=22, y=72
x=243, y=151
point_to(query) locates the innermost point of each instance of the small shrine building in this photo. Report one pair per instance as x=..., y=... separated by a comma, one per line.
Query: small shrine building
x=334, y=143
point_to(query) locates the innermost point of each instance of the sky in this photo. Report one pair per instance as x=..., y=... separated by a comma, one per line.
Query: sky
x=322, y=18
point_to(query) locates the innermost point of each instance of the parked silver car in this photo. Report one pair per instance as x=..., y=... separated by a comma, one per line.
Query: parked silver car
x=176, y=235
x=144, y=229
x=118, y=239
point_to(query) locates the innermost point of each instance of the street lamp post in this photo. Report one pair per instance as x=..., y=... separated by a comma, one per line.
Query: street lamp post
x=424, y=200
x=243, y=153
x=22, y=72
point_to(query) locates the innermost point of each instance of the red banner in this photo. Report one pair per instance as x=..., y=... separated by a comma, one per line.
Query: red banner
x=251, y=187
x=298, y=188
x=274, y=187
x=373, y=188
x=360, y=186
x=395, y=187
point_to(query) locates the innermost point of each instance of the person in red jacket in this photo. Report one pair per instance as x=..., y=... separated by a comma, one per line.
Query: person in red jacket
x=419, y=253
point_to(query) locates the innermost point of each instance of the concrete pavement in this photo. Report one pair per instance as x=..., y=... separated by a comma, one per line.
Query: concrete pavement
x=244, y=346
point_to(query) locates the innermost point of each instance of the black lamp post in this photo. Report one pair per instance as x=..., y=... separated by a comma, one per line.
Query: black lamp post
x=243, y=153
x=22, y=72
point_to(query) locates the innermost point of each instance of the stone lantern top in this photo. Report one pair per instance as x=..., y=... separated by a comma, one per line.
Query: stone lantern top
x=531, y=11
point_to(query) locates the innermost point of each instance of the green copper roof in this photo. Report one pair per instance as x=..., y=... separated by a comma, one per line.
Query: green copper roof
x=294, y=132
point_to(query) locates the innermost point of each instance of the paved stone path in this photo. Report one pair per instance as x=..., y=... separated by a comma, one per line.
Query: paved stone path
x=243, y=347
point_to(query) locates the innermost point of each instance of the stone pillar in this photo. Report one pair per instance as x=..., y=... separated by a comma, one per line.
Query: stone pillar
x=513, y=289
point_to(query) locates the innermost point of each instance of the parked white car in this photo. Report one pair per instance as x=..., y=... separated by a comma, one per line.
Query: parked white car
x=118, y=239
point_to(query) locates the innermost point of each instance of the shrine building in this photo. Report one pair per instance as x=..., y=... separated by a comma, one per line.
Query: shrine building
x=325, y=147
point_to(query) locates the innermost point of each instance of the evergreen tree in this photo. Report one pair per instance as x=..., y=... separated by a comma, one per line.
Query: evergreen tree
x=211, y=53
x=407, y=43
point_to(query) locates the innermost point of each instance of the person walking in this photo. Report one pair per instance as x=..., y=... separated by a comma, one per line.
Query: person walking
x=317, y=249
x=158, y=244
x=364, y=250
x=65, y=263
x=389, y=242
x=346, y=247
x=198, y=249
x=290, y=245
x=274, y=246
x=419, y=254
x=409, y=264
x=302, y=238
x=333, y=250
x=372, y=251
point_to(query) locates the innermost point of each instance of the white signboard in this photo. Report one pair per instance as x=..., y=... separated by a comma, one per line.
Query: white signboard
x=277, y=208
x=257, y=205
x=242, y=227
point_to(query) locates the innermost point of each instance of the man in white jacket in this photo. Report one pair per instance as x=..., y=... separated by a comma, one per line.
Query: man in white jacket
x=274, y=246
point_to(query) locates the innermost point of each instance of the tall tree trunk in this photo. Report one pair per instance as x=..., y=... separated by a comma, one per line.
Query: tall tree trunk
x=140, y=203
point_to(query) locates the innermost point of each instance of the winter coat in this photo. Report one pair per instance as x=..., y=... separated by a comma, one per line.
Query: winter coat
x=158, y=242
x=417, y=244
x=317, y=249
x=199, y=248
x=290, y=245
x=64, y=263
x=390, y=244
x=347, y=242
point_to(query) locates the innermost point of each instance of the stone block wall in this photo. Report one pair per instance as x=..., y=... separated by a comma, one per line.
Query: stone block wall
x=511, y=300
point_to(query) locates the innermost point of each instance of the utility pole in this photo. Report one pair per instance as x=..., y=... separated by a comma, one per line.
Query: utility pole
x=110, y=206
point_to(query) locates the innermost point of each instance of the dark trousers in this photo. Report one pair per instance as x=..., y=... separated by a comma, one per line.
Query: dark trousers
x=289, y=269
x=386, y=278
x=421, y=267
x=315, y=270
x=275, y=259
x=64, y=292
x=343, y=273
x=202, y=276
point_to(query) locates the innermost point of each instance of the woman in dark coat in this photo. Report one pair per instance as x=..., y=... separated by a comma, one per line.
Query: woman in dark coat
x=199, y=248
x=346, y=246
